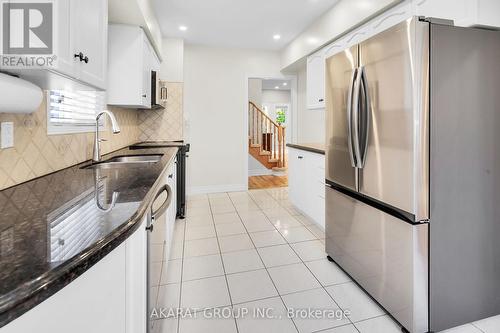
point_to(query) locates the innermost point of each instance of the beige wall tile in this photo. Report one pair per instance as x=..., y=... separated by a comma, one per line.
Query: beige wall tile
x=165, y=124
x=36, y=154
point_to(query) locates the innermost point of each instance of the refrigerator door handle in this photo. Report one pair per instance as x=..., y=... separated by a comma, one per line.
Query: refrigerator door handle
x=355, y=118
x=365, y=114
x=349, y=118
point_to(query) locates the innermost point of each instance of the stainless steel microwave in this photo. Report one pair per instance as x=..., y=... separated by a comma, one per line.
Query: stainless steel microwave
x=159, y=92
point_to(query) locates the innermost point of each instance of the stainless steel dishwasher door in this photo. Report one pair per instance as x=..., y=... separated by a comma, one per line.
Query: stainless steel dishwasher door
x=157, y=237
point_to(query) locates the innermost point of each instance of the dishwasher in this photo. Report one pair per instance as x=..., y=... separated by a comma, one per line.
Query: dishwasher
x=157, y=236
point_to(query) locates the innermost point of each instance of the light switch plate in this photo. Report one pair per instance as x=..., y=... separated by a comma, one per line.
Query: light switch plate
x=7, y=135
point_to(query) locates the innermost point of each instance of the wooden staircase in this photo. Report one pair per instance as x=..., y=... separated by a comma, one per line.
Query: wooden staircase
x=266, y=139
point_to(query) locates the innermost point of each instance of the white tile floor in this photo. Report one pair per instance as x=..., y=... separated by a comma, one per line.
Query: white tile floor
x=246, y=250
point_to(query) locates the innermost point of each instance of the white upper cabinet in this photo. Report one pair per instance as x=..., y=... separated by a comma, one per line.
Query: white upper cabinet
x=316, y=81
x=80, y=26
x=462, y=12
x=391, y=17
x=131, y=60
x=91, y=38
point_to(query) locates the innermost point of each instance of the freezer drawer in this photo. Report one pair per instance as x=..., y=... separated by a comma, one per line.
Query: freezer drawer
x=386, y=256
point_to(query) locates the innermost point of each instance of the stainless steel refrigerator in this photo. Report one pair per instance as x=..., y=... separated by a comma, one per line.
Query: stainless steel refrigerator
x=413, y=171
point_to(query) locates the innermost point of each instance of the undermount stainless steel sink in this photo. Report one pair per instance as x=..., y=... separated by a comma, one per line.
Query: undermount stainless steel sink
x=125, y=161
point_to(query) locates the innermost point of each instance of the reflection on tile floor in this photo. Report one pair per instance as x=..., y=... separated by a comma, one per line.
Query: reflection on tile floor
x=253, y=250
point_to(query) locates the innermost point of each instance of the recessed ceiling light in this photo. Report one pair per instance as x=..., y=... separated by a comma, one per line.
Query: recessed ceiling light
x=277, y=37
x=285, y=84
x=312, y=40
x=183, y=28
x=277, y=87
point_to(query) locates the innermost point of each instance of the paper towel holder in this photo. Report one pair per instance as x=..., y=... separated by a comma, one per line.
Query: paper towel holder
x=18, y=95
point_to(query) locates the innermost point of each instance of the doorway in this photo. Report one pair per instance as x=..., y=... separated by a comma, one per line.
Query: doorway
x=270, y=119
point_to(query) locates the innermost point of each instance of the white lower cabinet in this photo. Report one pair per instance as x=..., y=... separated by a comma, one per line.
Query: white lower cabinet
x=136, y=280
x=306, y=183
x=109, y=297
x=94, y=302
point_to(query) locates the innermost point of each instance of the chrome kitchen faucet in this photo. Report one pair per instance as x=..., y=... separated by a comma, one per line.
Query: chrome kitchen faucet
x=115, y=128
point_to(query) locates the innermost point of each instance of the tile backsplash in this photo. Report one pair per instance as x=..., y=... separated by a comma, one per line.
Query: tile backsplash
x=164, y=124
x=36, y=154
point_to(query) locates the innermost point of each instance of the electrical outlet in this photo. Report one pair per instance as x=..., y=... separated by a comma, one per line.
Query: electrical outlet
x=7, y=135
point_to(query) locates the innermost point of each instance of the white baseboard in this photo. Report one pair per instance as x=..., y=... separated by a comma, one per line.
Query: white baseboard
x=217, y=189
x=260, y=172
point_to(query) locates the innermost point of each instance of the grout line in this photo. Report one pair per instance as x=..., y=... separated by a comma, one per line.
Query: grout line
x=327, y=329
x=267, y=271
x=266, y=268
x=182, y=272
x=222, y=261
x=480, y=330
x=313, y=273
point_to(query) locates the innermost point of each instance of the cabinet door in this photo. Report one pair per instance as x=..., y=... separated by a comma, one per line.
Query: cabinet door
x=64, y=48
x=146, y=73
x=455, y=10
x=392, y=17
x=295, y=175
x=136, y=280
x=94, y=302
x=316, y=81
x=316, y=187
x=90, y=22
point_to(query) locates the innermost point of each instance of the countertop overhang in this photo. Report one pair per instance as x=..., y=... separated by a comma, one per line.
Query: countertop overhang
x=34, y=261
x=311, y=147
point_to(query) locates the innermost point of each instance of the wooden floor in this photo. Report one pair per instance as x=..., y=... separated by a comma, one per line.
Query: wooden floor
x=256, y=182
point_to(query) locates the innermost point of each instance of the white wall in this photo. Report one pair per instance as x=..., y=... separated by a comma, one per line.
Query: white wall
x=255, y=168
x=255, y=91
x=276, y=96
x=310, y=123
x=137, y=12
x=172, y=67
x=215, y=104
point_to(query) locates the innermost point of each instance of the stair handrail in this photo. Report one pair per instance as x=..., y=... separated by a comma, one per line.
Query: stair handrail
x=265, y=115
x=275, y=146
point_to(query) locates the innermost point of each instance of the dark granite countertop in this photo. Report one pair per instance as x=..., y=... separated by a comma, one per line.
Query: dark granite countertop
x=54, y=228
x=318, y=148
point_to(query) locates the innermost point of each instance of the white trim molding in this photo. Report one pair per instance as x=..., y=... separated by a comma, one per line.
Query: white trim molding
x=216, y=189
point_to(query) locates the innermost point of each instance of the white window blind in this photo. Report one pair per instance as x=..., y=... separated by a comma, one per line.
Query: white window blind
x=74, y=227
x=73, y=112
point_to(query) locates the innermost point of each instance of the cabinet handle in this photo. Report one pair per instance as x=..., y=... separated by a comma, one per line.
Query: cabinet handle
x=300, y=157
x=163, y=93
x=149, y=228
x=320, y=100
x=79, y=56
x=166, y=203
x=144, y=95
x=171, y=175
x=86, y=60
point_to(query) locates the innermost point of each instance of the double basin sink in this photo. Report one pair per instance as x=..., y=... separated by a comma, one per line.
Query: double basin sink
x=125, y=161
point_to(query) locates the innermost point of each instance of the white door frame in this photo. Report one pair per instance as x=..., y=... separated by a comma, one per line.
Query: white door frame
x=293, y=109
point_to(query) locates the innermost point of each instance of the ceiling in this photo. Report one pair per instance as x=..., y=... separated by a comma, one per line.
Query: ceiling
x=238, y=23
x=271, y=84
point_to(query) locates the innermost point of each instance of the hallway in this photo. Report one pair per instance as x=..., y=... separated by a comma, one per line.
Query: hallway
x=253, y=250
x=269, y=181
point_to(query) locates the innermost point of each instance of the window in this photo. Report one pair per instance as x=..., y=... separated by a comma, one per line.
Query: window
x=73, y=227
x=73, y=112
